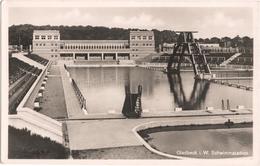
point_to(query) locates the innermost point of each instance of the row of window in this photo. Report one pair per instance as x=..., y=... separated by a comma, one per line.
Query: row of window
x=134, y=55
x=44, y=37
x=220, y=50
x=43, y=44
x=54, y=56
x=136, y=44
x=141, y=37
x=93, y=47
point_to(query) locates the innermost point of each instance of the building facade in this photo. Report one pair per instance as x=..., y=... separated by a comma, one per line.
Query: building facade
x=206, y=48
x=141, y=43
x=47, y=44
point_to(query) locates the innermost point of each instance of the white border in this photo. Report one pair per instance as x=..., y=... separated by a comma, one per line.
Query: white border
x=5, y=4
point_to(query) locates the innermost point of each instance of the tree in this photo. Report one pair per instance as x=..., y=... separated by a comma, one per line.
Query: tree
x=214, y=40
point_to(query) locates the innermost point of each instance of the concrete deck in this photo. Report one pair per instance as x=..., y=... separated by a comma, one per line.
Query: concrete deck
x=96, y=134
x=72, y=104
x=160, y=114
x=53, y=101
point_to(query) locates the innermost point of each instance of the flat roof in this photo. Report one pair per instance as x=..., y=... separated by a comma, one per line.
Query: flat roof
x=46, y=31
x=95, y=41
x=142, y=32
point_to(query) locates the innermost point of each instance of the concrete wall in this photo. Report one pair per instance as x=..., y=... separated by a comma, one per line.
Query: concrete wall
x=35, y=122
x=23, y=58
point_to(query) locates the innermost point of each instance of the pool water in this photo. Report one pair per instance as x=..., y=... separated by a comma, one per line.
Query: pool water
x=210, y=144
x=104, y=90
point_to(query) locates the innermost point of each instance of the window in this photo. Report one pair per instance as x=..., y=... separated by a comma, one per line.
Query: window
x=143, y=44
x=51, y=50
x=150, y=37
x=144, y=37
x=56, y=50
x=51, y=44
x=40, y=44
x=55, y=55
x=43, y=37
x=36, y=44
x=49, y=37
x=56, y=37
x=132, y=37
x=37, y=37
x=51, y=55
x=56, y=44
x=43, y=44
x=139, y=37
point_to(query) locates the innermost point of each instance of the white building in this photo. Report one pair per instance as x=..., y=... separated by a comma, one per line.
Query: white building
x=141, y=44
x=47, y=44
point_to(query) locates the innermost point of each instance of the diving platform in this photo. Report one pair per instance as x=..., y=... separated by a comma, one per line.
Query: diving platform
x=186, y=46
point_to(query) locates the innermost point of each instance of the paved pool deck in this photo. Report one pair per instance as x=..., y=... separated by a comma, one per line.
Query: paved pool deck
x=72, y=104
x=111, y=133
x=97, y=131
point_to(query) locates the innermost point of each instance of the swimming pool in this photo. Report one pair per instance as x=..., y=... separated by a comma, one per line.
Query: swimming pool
x=203, y=141
x=103, y=88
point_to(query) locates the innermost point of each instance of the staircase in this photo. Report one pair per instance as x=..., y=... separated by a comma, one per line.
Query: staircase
x=25, y=59
x=230, y=59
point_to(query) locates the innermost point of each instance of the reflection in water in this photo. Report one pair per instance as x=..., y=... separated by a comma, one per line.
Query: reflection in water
x=198, y=94
x=104, y=90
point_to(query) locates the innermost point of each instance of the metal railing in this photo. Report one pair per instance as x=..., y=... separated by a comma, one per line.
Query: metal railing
x=81, y=98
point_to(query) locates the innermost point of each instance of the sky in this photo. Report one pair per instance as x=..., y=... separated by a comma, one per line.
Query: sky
x=209, y=21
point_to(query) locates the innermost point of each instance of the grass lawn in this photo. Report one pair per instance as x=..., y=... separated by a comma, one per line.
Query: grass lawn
x=24, y=145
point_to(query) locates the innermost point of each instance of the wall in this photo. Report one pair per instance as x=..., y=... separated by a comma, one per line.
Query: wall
x=141, y=44
x=48, y=48
x=35, y=122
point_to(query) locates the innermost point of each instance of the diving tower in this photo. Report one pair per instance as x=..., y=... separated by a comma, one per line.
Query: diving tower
x=187, y=47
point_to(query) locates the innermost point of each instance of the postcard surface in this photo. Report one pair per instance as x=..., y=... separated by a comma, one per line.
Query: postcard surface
x=129, y=82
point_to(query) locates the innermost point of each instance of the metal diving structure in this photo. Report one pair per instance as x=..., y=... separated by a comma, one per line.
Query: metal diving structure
x=187, y=47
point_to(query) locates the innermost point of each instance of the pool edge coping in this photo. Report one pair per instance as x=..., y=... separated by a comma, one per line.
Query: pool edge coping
x=150, y=148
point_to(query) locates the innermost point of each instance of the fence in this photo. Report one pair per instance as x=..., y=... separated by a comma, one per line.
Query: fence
x=82, y=100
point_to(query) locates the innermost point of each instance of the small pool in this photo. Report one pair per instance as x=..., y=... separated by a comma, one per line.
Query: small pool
x=209, y=142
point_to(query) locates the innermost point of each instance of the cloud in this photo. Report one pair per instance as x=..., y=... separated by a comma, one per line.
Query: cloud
x=142, y=20
x=219, y=24
x=72, y=17
x=221, y=20
x=79, y=17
